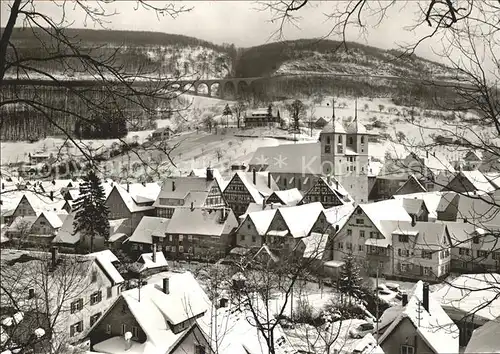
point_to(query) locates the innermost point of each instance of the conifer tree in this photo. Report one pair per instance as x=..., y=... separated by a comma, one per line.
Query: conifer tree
x=91, y=216
x=350, y=281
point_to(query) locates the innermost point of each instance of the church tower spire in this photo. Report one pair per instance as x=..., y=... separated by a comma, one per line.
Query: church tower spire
x=356, y=109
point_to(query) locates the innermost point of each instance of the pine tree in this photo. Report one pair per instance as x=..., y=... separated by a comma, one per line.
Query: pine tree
x=91, y=216
x=350, y=281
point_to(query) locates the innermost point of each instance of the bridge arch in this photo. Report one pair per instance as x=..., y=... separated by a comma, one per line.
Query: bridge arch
x=229, y=90
x=215, y=89
x=202, y=89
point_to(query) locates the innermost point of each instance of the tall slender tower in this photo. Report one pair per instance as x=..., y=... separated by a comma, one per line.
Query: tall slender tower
x=332, y=139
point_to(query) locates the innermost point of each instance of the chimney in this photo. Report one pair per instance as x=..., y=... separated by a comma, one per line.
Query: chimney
x=223, y=215
x=173, y=186
x=128, y=187
x=264, y=203
x=328, y=179
x=166, y=285
x=144, y=184
x=154, y=252
x=405, y=299
x=210, y=174
x=336, y=185
x=192, y=206
x=54, y=254
x=269, y=180
x=254, y=176
x=52, y=195
x=425, y=297
x=427, y=154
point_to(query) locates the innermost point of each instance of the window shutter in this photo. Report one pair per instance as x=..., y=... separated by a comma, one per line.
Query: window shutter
x=80, y=303
x=71, y=330
x=73, y=307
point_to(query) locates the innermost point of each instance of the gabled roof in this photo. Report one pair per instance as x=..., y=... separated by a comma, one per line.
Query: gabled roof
x=478, y=180
x=145, y=261
x=475, y=294
x=202, y=172
x=485, y=339
x=260, y=190
x=494, y=178
x=22, y=224
x=411, y=181
x=289, y=158
x=253, y=207
x=65, y=233
x=338, y=215
x=149, y=226
x=431, y=200
x=262, y=220
x=386, y=210
x=435, y=327
x=107, y=259
x=129, y=201
x=52, y=218
x=476, y=209
x=201, y=221
x=156, y=311
x=300, y=219
x=426, y=235
x=413, y=206
x=289, y=197
x=142, y=193
x=181, y=187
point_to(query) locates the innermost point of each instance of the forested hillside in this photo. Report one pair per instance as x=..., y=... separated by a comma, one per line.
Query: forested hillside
x=325, y=56
x=147, y=52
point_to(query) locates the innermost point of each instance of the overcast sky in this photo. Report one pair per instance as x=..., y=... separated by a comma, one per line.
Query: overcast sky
x=241, y=22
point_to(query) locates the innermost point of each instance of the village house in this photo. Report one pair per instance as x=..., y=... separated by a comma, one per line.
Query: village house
x=121, y=205
x=262, y=118
x=421, y=250
x=476, y=209
x=327, y=191
x=471, y=161
x=471, y=300
x=418, y=326
x=149, y=263
x=162, y=133
x=160, y=317
x=79, y=288
x=31, y=203
x=411, y=186
x=189, y=191
x=424, y=205
x=367, y=238
x=191, y=233
x=474, y=247
x=36, y=230
x=248, y=187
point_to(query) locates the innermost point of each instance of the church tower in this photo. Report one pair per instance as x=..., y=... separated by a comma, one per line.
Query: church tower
x=333, y=144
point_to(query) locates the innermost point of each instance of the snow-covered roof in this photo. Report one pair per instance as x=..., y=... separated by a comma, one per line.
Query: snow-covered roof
x=477, y=209
x=391, y=209
x=149, y=226
x=179, y=188
x=146, y=261
x=156, y=310
x=237, y=335
x=315, y=245
x=355, y=127
x=338, y=215
x=289, y=158
x=106, y=258
x=201, y=221
x=289, y=196
x=262, y=220
x=431, y=200
x=300, y=219
x=253, y=207
x=434, y=326
x=142, y=192
x=202, y=172
x=65, y=233
x=485, y=339
x=38, y=201
x=22, y=224
x=53, y=218
x=260, y=189
x=333, y=126
x=478, y=180
x=472, y=294
x=129, y=201
x=494, y=178
x=374, y=168
x=118, y=226
x=425, y=235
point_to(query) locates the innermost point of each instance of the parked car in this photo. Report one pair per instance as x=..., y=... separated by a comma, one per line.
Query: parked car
x=361, y=330
x=393, y=287
x=382, y=287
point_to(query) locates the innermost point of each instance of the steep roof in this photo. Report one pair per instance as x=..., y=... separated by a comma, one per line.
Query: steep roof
x=485, y=339
x=258, y=190
x=141, y=193
x=333, y=126
x=472, y=294
x=202, y=172
x=53, y=218
x=107, y=259
x=431, y=200
x=300, y=219
x=146, y=261
x=413, y=206
x=201, y=221
x=289, y=158
x=434, y=326
x=386, y=210
x=289, y=196
x=429, y=235
x=149, y=226
x=339, y=215
x=65, y=233
x=476, y=209
x=262, y=219
x=181, y=187
x=129, y=201
x=478, y=180
x=156, y=310
x=411, y=181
